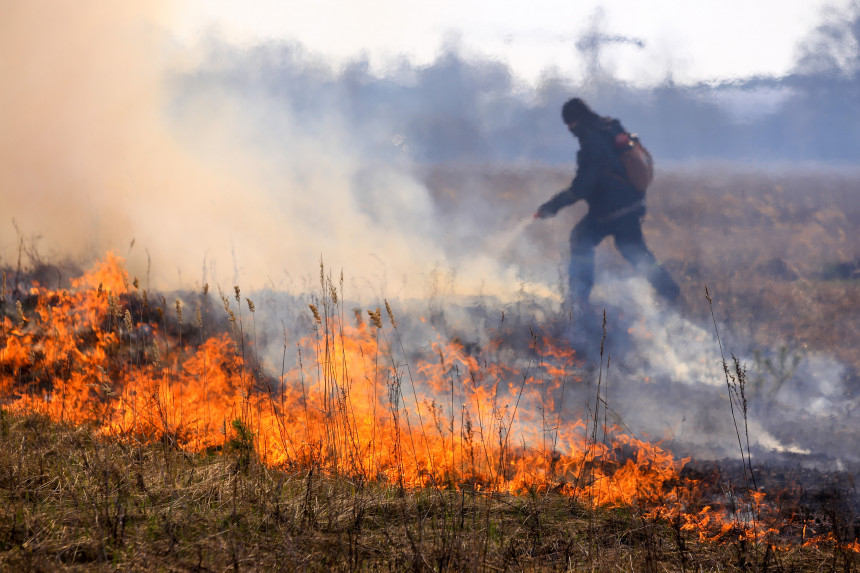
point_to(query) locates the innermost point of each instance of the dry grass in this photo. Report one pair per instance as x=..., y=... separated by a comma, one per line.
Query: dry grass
x=73, y=501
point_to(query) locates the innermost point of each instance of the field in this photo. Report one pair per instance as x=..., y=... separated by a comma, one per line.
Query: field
x=143, y=430
x=776, y=248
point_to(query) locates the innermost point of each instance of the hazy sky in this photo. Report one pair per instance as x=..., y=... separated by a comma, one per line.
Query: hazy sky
x=701, y=40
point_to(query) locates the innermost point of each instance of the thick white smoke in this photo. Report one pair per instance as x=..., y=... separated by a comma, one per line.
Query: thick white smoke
x=668, y=381
x=256, y=166
x=95, y=157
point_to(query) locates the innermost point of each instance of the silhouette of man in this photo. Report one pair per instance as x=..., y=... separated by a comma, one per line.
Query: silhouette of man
x=615, y=206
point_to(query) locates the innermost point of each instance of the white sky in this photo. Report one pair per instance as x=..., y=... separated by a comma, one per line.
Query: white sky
x=697, y=39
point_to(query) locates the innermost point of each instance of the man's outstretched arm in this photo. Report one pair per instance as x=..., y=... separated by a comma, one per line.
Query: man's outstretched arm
x=559, y=200
x=587, y=174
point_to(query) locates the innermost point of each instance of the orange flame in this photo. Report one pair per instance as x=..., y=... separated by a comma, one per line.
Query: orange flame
x=355, y=403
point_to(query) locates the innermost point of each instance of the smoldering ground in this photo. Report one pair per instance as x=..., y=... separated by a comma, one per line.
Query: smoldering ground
x=253, y=163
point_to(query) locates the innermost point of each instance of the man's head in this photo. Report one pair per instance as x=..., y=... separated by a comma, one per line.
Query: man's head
x=574, y=111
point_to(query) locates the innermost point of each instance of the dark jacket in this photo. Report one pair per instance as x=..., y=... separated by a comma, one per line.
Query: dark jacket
x=600, y=176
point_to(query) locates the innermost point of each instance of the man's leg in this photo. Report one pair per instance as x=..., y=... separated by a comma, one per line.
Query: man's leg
x=584, y=237
x=631, y=244
x=584, y=329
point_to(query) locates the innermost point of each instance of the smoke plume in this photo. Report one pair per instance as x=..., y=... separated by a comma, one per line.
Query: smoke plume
x=248, y=165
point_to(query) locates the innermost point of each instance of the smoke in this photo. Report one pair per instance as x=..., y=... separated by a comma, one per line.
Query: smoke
x=84, y=154
x=666, y=379
x=473, y=108
x=115, y=140
x=248, y=165
x=89, y=163
x=256, y=162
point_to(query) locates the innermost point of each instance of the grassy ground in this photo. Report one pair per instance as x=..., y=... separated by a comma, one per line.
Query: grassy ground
x=73, y=501
x=779, y=261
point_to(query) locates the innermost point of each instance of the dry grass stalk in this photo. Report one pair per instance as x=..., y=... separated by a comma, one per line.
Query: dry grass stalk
x=375, y=317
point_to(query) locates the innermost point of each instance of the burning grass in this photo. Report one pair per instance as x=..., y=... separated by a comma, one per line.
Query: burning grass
x=136, y=438
x=100, y=353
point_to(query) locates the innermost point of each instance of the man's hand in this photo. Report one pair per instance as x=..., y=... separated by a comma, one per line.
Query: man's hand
x=543, y=213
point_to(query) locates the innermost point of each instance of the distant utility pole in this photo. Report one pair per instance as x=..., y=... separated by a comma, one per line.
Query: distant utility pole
x=590, y=43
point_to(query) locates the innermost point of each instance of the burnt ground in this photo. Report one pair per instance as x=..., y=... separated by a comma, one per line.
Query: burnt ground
x=807, y=502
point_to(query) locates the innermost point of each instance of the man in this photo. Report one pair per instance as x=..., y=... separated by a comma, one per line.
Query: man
x=615, y=206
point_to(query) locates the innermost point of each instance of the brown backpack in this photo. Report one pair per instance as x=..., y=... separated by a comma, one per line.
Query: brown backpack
x=637, y=161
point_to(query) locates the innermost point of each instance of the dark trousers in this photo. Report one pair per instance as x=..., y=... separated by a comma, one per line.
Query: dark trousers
x=627, y=232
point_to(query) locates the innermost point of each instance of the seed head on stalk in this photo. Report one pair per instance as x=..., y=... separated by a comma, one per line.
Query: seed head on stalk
x=375, y=317
x=390, y=314
x=156, y=354
x=316, y=313
x=227, y=309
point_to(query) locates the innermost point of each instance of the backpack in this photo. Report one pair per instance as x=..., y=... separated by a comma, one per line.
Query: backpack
x=637, y=161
